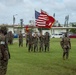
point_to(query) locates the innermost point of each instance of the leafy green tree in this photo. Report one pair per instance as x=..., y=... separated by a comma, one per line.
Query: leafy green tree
x=73, y=30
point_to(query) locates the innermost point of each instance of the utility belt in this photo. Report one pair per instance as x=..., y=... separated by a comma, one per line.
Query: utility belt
x=2, y=43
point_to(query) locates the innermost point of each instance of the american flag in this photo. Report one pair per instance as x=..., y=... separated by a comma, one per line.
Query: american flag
x=41, y=20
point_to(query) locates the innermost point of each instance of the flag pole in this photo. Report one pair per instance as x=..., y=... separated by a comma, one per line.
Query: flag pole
x=41, y=29
x=34, y=19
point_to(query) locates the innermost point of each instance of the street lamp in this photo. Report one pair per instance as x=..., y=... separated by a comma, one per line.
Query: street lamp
x=14, y=21
x=66, y=21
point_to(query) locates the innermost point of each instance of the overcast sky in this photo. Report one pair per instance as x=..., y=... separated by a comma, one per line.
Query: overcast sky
x=25, y=9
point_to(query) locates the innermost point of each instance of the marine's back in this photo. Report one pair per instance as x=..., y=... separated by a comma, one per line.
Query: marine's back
x=66, y=40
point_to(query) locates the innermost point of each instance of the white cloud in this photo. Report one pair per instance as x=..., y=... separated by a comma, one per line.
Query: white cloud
x=70, y=4
x=25, y=9
x=2, y=7
x=11, y=2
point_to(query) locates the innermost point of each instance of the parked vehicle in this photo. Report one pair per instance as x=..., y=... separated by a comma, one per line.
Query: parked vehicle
x=72, y=36
x=56, y=35
x=15, y=35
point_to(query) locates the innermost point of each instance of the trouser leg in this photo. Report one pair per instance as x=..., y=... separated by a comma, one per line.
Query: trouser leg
x=29, y=47
x=3, y=67
x=34, y=48
x=67, y=54
x=26, y=43
x=64, y=53
x=48, y=46
x=40, y=48
x=45, y=48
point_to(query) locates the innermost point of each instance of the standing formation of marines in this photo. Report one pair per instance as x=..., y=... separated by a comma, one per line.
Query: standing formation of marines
x=37, y=42
x=41, y=42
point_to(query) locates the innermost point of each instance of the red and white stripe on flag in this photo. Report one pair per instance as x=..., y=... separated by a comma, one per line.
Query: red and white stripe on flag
x=41, y=21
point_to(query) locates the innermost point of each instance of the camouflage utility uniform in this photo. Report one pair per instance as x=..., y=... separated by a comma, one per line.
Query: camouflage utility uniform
x=10, y=37
x=30, y=42
x=4, y=52
x=41, y=42
x=27, y=39
x=66, y=45
x=35, y=40
x=20, y=39
x=47, y=41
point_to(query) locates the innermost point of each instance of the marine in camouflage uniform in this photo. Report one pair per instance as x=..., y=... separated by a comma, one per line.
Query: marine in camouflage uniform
x=27, y=39
x=47, y=41
x=4, y=51
x=10, y=37
x=41, y=42
x=20, y=39
x=35, y=42
x=30, y=42
x=66, y=46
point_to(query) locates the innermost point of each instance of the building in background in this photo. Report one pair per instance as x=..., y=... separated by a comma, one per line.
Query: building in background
x=53, y=30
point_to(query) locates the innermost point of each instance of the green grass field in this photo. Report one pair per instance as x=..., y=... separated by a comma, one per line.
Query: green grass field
x=23, y=62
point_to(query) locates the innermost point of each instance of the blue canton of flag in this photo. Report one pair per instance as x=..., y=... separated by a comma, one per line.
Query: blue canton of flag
x=37, y=14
